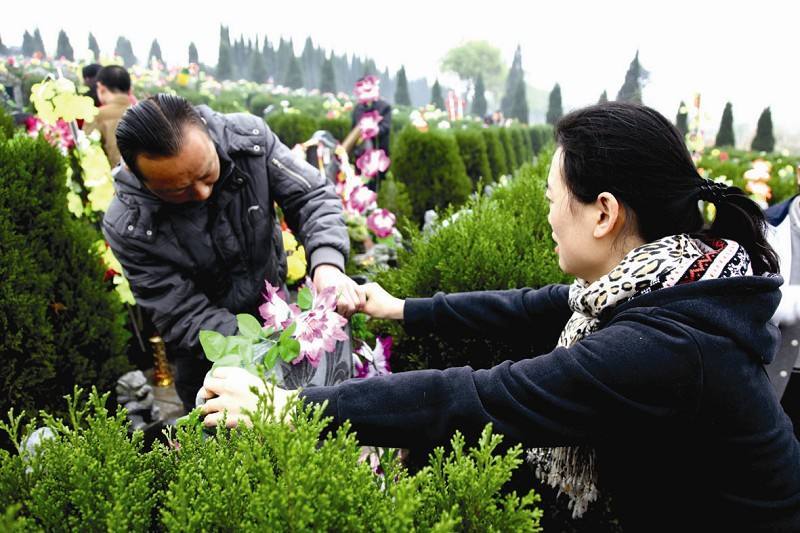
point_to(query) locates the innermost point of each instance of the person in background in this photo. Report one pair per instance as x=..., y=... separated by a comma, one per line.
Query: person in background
x=89, y=73
x=784, y=237
x=368, y=95
x=113, y=88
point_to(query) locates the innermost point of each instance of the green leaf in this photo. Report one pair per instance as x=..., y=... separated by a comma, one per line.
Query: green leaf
x=248, y=326
x=230, y=359
x=304, y=299
x=287, y=333
x=213, y=344
x=290, y=349
x=271, y=357
x=388, y=241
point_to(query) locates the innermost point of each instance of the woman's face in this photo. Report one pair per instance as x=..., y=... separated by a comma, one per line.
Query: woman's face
x=573, y=224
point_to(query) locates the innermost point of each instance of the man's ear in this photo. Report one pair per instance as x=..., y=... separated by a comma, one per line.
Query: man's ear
x=609, y=214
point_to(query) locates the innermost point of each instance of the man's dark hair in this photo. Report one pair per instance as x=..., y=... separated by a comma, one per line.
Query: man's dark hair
x=115, y=78
x=155, y=128
x=90, y=71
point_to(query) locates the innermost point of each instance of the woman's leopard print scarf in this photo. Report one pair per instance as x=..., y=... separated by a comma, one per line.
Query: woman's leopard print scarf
x=667, y=262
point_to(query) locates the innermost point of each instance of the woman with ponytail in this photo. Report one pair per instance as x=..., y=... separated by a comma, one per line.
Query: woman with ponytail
x=650, y=386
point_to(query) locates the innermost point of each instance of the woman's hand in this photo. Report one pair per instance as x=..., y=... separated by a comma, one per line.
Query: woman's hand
x=227, y=390
x=381, y=304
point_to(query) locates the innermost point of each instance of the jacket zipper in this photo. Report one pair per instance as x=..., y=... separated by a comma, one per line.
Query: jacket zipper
x=290, y=172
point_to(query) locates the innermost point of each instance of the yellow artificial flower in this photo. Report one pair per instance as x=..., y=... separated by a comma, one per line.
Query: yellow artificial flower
x=289, y=242
x=296, y=265
x=100, y=197
x=74, y=204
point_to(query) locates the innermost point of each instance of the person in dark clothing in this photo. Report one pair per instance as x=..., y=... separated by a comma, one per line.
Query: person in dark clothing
x=651, y=385
x=89, y=73
x=193, y=222
x=369, y=101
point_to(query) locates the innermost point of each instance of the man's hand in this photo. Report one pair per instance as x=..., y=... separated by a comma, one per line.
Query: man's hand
x=381, y=304
x=349, y=299
x=227, y=390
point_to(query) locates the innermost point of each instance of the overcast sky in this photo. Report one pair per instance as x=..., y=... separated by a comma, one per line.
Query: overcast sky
x=745, y=52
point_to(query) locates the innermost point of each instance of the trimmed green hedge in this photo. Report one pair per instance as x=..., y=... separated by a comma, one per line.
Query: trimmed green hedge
x=393, y=195
x=292, y=128
x=541, y=135
x=499, y=242
x=521, y=150
x=495, y=152
x=508, y=146
x=92, y=477
x=472, y=149
x=431, y=168
x=338, y=127
x=61, y=324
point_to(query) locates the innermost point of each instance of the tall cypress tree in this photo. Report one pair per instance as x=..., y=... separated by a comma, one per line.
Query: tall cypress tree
x=294, y=74
x=311, y=71
x=155, y=52
x=3, y=48
x=28, y=46
x=193, y=57
x=388, y=84
x=479, y=104
x=225, y=61
x=519, y=106
x=258, y=70
x=64, y=48
x=283, y=58
x=603, y=98
x=554, y=110
x=764, y=141
x=327, y=77
x=124, y=49
x=725, y=134
x=94, y=47
x=512, y=82
x=437, y=100
x=38, y=42
x=682, y=119
x=401, y=95
x=370, y=68
x=268, y=52
x=631, y=90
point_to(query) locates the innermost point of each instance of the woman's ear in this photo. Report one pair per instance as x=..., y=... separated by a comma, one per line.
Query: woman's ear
x=609, y=215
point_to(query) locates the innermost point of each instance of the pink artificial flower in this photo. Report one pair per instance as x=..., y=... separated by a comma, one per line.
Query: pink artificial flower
x=320, y=327
x=373, y=362
x=381, y=222
x=368, y=124
x=724, y=156
x=368, y=89
x=33, y=124
x=346, y=188
x=361, y=199
x=372, y=162
x=277, y=314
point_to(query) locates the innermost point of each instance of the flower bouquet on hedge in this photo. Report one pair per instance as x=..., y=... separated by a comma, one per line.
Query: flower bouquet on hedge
x=296, y=344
